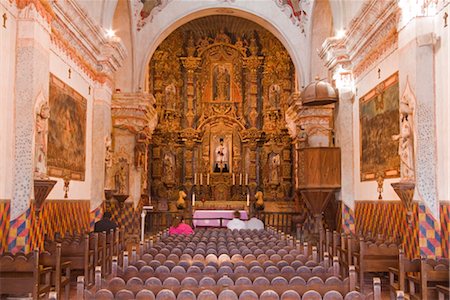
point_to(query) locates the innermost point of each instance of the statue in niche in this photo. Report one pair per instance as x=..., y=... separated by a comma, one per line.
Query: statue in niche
x=108, y=162
x=222, y=37
x=168, y=168
x=274, y=168
x=121, y=177
x=274, y=96
x=41, y=141
x=406, y=136
x=170, y=96
x=221, y=83
x=221, y=158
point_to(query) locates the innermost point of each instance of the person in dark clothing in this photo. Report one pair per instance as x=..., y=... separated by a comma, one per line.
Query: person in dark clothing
x=105, y=224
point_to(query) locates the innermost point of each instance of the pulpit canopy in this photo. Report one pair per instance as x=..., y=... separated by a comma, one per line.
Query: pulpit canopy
x=318, y=93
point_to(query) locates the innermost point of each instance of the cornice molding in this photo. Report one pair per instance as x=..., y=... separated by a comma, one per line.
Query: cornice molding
x=372, y=35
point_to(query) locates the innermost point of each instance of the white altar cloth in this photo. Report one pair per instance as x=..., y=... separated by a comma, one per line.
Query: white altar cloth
x=213, y=217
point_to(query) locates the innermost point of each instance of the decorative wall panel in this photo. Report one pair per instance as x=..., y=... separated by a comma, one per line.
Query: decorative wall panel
x=67, y=132
x=445, y=228
x=429, y=233
x=4, y=225
x=18, y=236
x=388, y=218
x=61, y=216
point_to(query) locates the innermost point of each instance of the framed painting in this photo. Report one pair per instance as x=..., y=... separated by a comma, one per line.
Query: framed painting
x=221, y=79
x=379, y=121
x=66, y=132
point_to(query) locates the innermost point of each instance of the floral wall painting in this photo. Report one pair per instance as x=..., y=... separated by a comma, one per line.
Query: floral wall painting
x=67, y=132
x=379, y=121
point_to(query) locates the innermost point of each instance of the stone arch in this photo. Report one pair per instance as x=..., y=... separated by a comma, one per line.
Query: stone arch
x=265, y=13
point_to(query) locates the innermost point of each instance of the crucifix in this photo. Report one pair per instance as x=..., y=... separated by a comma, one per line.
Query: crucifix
x=70, y=73
x=379, y=73
x=445, y=19
x=5, y=17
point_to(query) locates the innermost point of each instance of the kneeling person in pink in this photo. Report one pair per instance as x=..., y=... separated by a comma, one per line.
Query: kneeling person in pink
x=179, y=227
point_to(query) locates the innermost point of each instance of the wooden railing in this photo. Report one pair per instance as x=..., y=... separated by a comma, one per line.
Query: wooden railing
x=157, y=221
x=280, y=220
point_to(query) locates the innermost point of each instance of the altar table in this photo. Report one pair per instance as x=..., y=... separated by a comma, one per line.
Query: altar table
x=213, y=217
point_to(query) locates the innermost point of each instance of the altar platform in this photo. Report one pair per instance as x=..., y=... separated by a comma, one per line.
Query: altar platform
x=215, y=218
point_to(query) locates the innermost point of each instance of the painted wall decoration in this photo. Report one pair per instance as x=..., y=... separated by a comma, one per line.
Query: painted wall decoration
x=379, y=121
x=67, y=132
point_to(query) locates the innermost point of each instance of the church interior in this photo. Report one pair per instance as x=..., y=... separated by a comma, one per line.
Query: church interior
x=328, y=120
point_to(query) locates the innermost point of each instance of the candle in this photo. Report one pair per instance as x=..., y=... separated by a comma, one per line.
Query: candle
x=240, y=178
x=248, y=199
x=207, y=179
x=195, y=178
x=193, y=199
x=246, y=179
x=234, y=179
x=201, y=178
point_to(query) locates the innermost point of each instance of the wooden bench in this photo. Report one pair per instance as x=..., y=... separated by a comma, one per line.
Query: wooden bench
x=374, y=257
x=23, y=275
x=61, y=271
x=443, y=292
x=431, y=274
x=397, y=276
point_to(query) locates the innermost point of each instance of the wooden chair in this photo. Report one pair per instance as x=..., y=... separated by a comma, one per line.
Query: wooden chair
x=428, y=278
x=374, y=258
x=443, y=292
x=22, y=274
x=397, y=276
x=61, y=271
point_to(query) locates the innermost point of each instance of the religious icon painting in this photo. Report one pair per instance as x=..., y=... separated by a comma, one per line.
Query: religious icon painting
x=221, y=154
x=221, y=79
x=66, y=131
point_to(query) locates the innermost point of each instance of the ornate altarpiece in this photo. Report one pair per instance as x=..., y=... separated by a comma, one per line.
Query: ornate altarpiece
x=221, y=93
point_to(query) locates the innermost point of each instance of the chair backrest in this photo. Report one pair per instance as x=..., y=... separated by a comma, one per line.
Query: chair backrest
x=104, y=294
x=171, y=282
x=248, y=295
x=227, y=295
x=166, y=294
x=333, y=295
x=243, y=281
x=290, y=295
x=354, y=295
x=311, y=295
x=186, y=295
x=260, y=281
x=124, y=295
x=206, y=295
x=145, y=295
x=269, y=295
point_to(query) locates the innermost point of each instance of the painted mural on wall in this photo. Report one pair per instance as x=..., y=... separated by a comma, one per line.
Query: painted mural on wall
x=67, y=132
x=379, y=121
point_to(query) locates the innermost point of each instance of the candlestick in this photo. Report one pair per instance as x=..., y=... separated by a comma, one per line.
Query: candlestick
x=246, y=179
x=240, y=178
x=193, y=199
x=234, y=179
x=248, y=199
x=207, y=179
x=201, y=178
x=195, y=179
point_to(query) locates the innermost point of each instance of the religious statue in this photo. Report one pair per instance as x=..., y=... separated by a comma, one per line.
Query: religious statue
x=259, y=204
x=221, y=157
x=274, y=169
x=170, y=96
x=221, y=87
x=121, y=179
x=168, y=168
x=274, y=96
x=41, y=141
x=405, y=141
x=108, y=162
x=181, y=203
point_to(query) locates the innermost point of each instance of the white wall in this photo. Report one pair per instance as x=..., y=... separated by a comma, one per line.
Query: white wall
x=7, y=78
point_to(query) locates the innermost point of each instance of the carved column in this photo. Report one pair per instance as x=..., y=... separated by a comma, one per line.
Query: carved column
x=252, y=64
x=190, y=64
x=134, y=119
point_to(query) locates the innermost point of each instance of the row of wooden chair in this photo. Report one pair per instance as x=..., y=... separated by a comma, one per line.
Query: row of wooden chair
x=36, y=274
x=424, y=274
